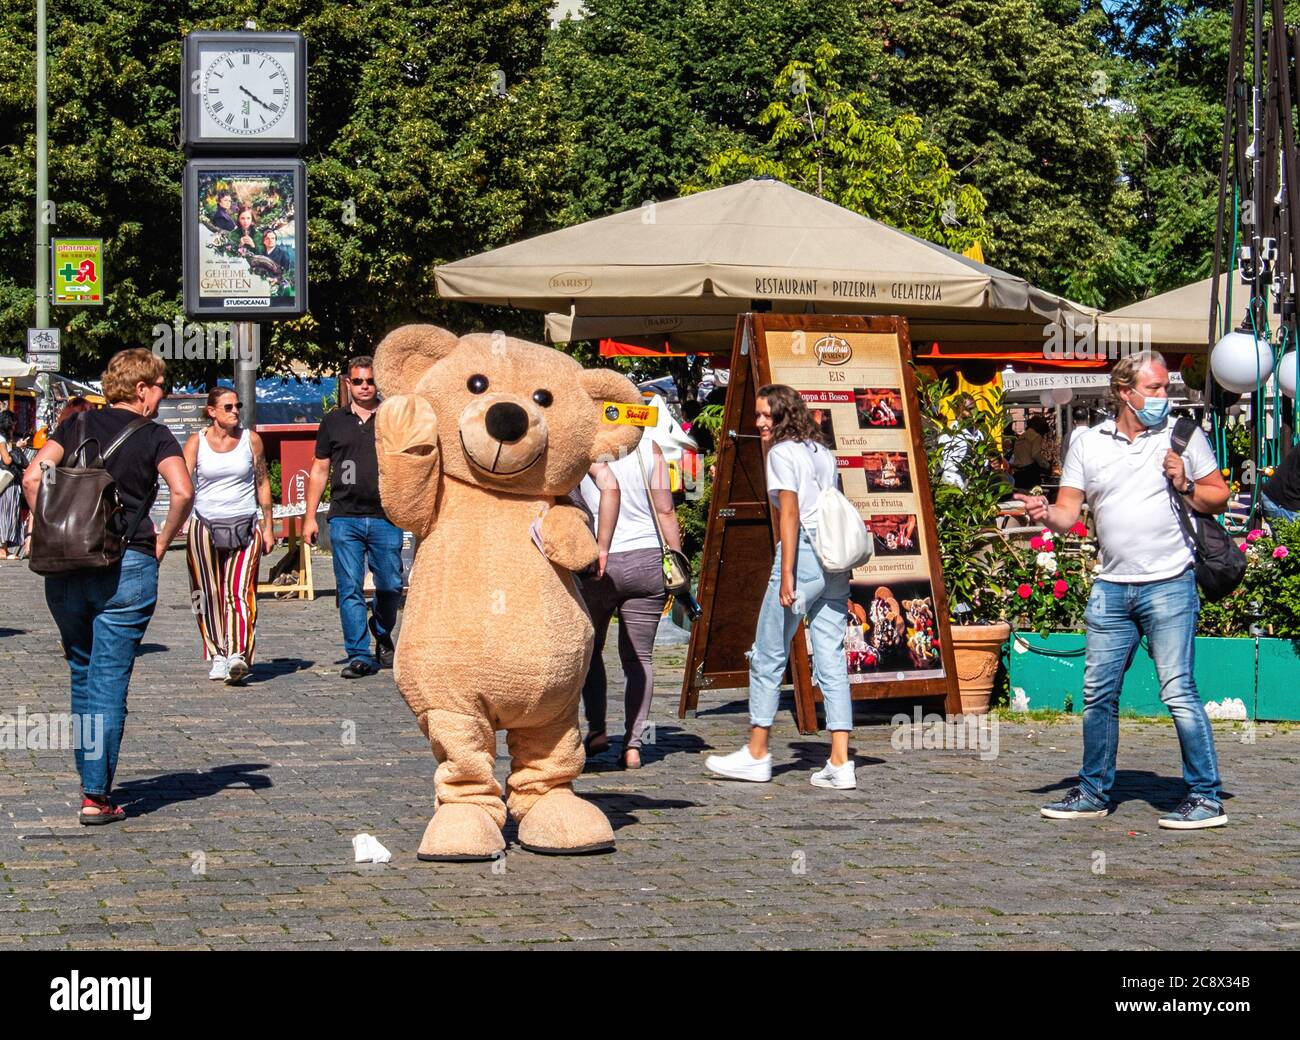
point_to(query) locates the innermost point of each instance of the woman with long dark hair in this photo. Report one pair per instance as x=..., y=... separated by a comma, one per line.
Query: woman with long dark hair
x=799, y=467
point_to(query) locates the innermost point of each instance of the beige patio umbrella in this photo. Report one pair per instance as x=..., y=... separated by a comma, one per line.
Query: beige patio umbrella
x=713, y=255
x=1178, y=318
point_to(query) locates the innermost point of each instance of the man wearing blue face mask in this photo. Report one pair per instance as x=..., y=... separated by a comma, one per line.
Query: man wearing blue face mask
x=1127, y=471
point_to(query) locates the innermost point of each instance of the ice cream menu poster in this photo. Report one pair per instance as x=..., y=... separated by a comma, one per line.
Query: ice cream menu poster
x=853, y=385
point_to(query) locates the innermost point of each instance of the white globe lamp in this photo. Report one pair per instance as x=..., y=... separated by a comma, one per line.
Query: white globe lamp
x=1286, y=373
x=1241, y=363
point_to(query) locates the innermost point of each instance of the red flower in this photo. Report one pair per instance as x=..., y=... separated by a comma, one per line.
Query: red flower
x=1079, y=529
x=1036, y=542
x=1024, y=592
x=1060, y=588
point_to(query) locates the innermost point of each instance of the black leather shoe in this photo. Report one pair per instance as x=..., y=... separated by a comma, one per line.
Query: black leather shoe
x=383, y=646
x=358, y=669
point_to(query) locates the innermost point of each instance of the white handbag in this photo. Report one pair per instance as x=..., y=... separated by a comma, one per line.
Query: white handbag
x=842, y=540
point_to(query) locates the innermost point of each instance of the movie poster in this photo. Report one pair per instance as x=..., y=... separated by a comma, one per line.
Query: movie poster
x=246, y=247
x=853, y=385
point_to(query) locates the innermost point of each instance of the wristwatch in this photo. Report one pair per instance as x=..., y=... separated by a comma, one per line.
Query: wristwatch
x=1189, y=489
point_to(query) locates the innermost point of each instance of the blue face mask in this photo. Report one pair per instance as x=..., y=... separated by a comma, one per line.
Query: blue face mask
x=1153, y=411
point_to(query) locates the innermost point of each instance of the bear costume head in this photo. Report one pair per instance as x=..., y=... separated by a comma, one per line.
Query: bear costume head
x=480, y=438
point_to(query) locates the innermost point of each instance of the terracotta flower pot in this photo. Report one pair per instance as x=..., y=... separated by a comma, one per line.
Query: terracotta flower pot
x=978, y=648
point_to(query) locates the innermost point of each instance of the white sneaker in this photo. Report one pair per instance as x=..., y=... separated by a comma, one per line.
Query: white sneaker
x=842, y=778
x=741, y=765
x=219, y=668
x=236, y=669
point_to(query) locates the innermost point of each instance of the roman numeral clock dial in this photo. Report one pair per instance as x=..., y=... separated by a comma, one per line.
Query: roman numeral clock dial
x=246, y=92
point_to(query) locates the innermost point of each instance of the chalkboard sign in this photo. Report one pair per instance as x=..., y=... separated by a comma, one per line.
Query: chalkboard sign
x=182, y=414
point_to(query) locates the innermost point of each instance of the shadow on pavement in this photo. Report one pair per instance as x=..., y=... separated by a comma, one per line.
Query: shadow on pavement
x=812, y=755
x=1163, y=793
x=669, y=740
x=621, y=808
x=141, y=797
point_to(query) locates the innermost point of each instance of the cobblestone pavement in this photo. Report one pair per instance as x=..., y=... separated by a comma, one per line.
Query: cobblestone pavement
x=243, y=802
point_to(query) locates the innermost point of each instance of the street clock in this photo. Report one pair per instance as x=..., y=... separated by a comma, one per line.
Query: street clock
x=244, y=92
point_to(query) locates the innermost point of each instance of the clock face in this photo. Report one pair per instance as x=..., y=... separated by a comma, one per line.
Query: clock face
x=247, y=92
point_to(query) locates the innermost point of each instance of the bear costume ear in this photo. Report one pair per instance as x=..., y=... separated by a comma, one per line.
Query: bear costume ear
x=613, y=440
x=406, y=352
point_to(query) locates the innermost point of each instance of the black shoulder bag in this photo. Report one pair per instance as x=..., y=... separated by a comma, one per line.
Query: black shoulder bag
x=1220, y=564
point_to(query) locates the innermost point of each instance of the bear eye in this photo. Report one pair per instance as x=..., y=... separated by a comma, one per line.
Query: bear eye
x=543, y=397
x=477, y=384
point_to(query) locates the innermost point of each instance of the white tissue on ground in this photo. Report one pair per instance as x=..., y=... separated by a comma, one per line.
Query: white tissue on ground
x=369, y=850
x=1228, y=708
x=1019, y=702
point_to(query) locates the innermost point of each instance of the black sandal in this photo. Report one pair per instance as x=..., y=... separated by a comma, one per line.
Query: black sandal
x=592, y=740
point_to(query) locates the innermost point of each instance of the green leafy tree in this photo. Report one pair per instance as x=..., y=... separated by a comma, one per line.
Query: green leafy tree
x=430, y=138
x=1017, y=94
x=822, y=142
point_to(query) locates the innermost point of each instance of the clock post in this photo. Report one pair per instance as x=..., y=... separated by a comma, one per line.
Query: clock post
x=244, y=222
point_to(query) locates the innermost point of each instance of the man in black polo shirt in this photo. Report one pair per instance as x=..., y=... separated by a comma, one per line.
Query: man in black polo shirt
x=1279, y=498
x=359, y=531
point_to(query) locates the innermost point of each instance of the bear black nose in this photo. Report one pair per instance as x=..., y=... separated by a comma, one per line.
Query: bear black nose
x=507, y=422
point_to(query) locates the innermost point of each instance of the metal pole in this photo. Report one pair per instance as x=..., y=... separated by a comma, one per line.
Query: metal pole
x=42, y=181
x=246, y=358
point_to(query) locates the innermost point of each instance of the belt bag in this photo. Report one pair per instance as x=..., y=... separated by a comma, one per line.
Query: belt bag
x=231, y=535
x=1220, y=565
x=677, y=568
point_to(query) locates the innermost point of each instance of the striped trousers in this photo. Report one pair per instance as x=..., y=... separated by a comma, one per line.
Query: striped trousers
x=223, y=592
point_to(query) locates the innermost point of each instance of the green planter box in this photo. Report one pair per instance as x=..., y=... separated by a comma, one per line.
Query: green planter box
x=1049, y=669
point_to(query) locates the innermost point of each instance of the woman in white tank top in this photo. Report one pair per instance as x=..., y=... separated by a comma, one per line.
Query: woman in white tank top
x=231, y=487
x=629, y=579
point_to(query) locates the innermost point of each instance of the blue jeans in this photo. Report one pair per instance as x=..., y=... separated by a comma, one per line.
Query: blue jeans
x=1117, y=615
x=1275, y=512
x=101, y=614
x=825, y=600
x=354, y=541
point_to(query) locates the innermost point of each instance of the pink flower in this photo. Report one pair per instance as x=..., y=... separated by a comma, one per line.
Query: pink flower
x=1243, y=546
x=1036, y=542
x=1024, y=592
x=1255, y=535
x=1079, y=529
x=1060, y=588
x=1281, y=552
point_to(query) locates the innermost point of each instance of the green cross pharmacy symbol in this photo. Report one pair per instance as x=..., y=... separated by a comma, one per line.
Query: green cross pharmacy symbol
x=67, y=271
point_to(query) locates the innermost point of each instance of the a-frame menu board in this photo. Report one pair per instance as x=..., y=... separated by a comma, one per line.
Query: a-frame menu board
x=855, y=374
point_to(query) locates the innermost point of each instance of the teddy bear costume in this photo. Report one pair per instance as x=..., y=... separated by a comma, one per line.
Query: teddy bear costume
x=478, y=436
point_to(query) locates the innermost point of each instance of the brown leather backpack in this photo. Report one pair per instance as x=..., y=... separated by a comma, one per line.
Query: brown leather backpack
x=79, y=520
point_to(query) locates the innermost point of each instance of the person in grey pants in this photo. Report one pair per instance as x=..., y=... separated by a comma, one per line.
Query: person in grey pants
x=629, y=580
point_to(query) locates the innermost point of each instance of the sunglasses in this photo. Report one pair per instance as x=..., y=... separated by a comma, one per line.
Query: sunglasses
x=238, y=406
x=362, y=382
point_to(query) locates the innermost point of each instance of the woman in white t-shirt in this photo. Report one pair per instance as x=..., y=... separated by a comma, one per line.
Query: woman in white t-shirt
x=799, y=466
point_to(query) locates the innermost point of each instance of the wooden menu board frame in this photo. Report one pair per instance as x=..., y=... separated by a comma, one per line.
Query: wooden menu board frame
x=740, y=541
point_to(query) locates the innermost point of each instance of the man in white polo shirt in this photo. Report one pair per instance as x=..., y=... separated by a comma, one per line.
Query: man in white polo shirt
x=1128, y=472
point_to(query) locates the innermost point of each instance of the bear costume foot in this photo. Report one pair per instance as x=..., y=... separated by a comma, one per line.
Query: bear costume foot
x=461, y=832
x=562, y=824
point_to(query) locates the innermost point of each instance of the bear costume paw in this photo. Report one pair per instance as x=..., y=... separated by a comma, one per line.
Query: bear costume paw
x=562, y=824
x=461, y=832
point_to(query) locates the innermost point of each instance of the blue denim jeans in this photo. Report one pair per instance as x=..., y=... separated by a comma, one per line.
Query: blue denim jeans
x=101, y=614
x=1275, y=512
x=825, y=599
x=1117, y=616
x=356, y=541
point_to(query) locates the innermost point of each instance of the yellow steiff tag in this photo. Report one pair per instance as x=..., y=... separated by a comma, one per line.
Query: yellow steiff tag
x=630, y=414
